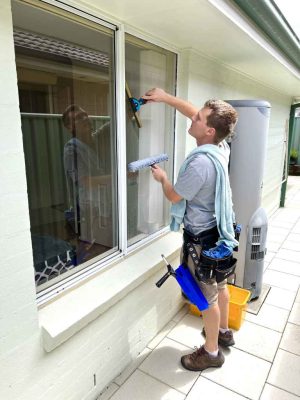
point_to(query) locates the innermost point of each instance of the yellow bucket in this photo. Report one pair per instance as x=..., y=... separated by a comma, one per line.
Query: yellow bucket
x=237, y=306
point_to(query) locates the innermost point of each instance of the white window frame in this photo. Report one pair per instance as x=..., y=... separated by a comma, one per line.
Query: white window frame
x=120, y=112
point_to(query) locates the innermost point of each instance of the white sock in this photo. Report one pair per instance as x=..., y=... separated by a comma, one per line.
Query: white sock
x=222, y=330
x=213, y=353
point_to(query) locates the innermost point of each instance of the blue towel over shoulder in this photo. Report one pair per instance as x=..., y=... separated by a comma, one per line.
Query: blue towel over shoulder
x=223, y=200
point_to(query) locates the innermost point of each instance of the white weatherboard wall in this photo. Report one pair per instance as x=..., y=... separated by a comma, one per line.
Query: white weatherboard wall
x=210, y=80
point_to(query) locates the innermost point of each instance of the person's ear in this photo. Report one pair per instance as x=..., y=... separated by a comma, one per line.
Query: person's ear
x=211, y=131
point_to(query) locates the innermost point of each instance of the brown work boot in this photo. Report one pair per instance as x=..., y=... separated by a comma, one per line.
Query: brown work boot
x=225, y=339
x=201, y=359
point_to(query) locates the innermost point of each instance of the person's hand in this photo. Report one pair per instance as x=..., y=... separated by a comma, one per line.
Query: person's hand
x=156, y=95
x=158, y=174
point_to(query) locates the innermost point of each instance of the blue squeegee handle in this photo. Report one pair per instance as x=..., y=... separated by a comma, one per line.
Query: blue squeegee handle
x=137, y=103
x=167, y=274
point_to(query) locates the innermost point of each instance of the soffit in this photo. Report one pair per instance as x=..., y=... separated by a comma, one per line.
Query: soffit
x=199, y=25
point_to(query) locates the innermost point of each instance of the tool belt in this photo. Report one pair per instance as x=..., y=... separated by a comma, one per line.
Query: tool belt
x=219, y=269
x=207, y=268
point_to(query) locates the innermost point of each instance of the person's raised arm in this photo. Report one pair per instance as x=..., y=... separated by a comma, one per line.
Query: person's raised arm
x=160, y=96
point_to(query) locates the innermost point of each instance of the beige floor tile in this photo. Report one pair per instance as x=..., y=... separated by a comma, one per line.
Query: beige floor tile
x=282, y=213
x=164, y=365
x=295, y=314
x=285, y=372
x=289, y=255
x=108, y=392
x=279, y=279
x=177, y=317
x=293, y=237
x=297, y=300
x=161, y=335
x=269, y=316
x=266, y=264
x=285, y=214
x=280, y=298
x=272, y=393
x=188, y=331
x=293, y=204
x=287, y=267
x=290, y=245
x=141, y=386
x=281, y=223
x=273, y=246
x=269, y=256
x=242, y=372
x=277, y=234
x=296, y=228
x=204, y=389
x=276, y=237
x=291, y=339
x=257, y=340
x=119, y=380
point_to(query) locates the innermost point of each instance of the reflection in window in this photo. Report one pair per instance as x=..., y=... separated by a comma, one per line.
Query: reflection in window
x=66, y=92
x=148, y=66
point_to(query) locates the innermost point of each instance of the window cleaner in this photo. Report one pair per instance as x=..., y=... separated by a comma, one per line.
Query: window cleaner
x=146, y=162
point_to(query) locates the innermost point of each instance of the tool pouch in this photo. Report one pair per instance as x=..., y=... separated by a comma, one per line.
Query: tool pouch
x=222, y=273
x=219, y=269
x=207, y=268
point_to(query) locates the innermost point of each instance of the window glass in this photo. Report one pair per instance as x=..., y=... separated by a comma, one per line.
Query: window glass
x=149, y=132
x=66, y=85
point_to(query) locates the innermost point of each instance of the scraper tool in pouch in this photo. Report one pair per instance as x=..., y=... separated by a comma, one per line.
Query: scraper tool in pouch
x=187, y=283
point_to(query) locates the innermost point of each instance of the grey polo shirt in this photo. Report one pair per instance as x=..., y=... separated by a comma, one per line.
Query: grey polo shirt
x=197, y=186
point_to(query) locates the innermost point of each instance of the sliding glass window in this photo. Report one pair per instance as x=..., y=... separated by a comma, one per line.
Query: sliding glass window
x=67, y=92
x=149, y=132
x=66, y=84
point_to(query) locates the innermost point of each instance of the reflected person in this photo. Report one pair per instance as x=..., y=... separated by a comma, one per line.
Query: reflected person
x=84, y=174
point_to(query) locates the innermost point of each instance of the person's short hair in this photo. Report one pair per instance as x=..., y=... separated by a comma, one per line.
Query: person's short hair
x=222, y=118
x=72, y=108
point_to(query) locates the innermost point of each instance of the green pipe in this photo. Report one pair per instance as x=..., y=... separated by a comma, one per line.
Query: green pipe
x=290, y=140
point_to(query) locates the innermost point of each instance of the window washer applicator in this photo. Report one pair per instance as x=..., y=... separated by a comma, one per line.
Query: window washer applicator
x=146, y=162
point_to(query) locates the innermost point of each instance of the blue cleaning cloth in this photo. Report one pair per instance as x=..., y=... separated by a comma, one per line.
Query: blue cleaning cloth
x=238, y=228
x=220, y=251
x=223, y=202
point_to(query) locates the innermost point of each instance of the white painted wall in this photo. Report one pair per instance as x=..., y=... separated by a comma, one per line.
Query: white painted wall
x=103, y=348
x=110, y=342
x=17, y=293
x=210, y=80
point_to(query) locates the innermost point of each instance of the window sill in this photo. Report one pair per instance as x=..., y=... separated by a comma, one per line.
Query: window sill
x=71, y=312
